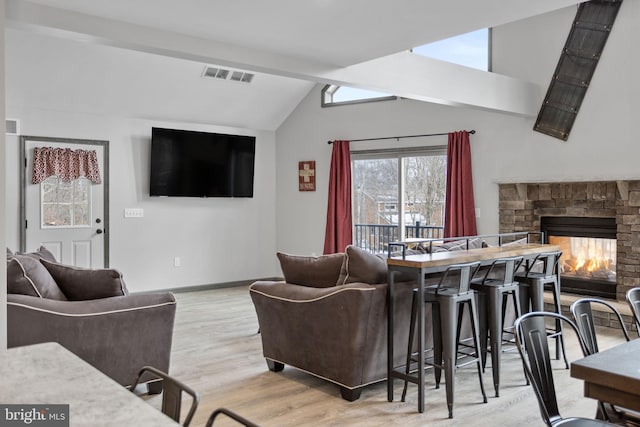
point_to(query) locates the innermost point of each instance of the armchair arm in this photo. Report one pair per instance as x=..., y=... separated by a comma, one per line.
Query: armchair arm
x=116, y=335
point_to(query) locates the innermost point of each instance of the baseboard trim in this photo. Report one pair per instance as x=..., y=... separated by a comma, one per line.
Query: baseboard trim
x=208, y=286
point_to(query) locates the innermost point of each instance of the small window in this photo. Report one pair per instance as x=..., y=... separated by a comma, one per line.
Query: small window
x=341, y=95
x=470, y=49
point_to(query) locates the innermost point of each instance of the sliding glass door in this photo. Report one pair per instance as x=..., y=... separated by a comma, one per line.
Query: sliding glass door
x=397, y=194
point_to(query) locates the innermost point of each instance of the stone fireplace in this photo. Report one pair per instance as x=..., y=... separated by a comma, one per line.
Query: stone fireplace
x=597, y=225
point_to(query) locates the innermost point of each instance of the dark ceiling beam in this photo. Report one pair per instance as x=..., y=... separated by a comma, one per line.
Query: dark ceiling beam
x=577, y=64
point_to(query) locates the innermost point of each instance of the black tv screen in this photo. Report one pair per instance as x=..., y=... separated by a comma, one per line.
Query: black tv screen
x=201, y=164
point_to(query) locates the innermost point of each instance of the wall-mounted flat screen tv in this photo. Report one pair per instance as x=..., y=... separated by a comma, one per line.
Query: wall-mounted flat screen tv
x=201, y=164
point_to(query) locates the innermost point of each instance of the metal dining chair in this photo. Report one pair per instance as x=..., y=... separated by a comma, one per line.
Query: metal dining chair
x=172, y=390
x=583, y=315
x=633, y=299
x=533, y=345
x=230, y=414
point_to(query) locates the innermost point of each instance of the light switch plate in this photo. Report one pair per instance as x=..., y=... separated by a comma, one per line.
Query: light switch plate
x=133, y=213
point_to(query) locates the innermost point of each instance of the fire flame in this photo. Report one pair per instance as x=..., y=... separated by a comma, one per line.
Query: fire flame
x=587, y=257
x=591, y=264
x=588, y=260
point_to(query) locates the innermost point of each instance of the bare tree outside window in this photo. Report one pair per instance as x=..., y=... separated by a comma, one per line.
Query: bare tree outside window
x=378, y=208
x=425, y=185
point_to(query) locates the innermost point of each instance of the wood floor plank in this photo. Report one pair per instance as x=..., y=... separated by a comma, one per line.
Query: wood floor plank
x=218, y=351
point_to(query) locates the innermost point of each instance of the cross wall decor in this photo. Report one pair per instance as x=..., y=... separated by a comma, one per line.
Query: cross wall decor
x=307, y=175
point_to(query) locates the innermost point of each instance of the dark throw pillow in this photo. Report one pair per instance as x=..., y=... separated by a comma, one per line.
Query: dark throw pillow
x=41, y=253
x=361, y=266
x=80, y=284
x=27, y=276
x=314, y=271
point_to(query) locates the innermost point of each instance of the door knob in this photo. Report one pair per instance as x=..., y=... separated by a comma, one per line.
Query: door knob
x=99, y=231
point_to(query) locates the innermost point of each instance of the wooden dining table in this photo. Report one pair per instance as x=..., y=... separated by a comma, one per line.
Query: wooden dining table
x=612, y=375
x=422, y=264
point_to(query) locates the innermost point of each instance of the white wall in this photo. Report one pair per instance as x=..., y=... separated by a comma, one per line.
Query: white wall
x=218, y=240
x=602, y=145
x=3, y=185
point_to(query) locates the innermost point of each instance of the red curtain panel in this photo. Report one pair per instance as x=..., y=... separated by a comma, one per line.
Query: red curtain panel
x=338, y=233
x=460, y=213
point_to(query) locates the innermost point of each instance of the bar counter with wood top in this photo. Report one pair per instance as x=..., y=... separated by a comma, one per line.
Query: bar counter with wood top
x=426, y=263
x=439, y=261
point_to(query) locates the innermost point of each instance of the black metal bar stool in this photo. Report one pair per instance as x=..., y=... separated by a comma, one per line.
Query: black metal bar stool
x=532, y=286
x=447, y=300
x=494, y=290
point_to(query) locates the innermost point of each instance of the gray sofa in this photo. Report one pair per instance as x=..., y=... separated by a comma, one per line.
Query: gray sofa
x=89, y=312
x=329, y=318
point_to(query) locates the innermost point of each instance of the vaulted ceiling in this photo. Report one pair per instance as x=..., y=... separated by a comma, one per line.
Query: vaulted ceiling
x=138, y=55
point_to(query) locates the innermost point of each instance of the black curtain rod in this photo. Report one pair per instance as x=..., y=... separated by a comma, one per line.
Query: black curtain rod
x=398, y=137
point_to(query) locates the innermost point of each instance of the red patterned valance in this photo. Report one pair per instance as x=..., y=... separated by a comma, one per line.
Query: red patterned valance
x=65, y=163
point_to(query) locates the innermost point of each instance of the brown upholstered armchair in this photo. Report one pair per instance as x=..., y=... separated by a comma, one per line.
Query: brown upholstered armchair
x=329, y=318
x=89, y=312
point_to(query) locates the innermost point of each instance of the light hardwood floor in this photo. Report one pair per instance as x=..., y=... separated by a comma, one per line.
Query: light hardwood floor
x=218, y=352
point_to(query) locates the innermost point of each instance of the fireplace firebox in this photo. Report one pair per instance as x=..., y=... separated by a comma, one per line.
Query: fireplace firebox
x=588, y=262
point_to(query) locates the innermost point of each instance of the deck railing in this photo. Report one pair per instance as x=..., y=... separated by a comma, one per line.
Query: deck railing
x=376, y=237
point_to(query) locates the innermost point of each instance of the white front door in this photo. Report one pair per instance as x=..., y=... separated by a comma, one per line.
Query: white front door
x=68, y=218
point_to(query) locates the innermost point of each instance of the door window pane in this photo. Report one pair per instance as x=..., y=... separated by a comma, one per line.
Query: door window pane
x=65, y=204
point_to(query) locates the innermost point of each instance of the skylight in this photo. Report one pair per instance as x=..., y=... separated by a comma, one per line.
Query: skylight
x=470, y=49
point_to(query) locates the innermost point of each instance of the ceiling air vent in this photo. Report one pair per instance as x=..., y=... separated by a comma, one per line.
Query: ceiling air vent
x=12, y=126
x=239, y=76
x=223, y=74
x=216, y=73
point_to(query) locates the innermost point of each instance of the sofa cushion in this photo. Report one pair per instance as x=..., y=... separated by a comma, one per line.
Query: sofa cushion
x=315, y=271
x=27, y=276
x=361, y=266
x=80, y=284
